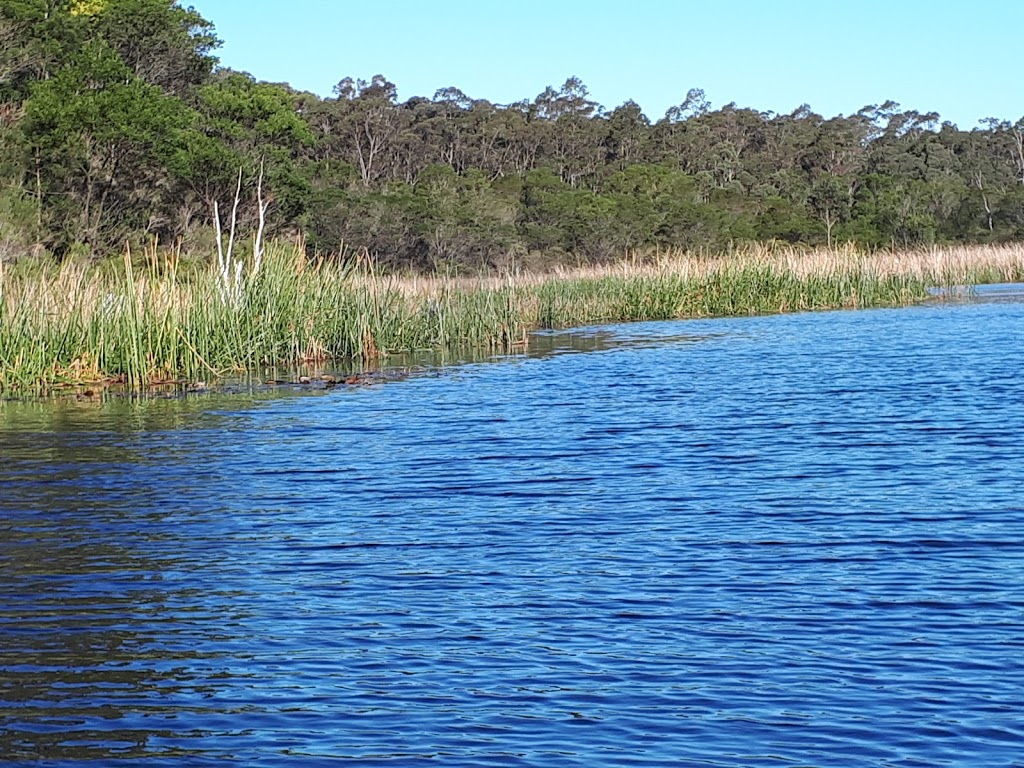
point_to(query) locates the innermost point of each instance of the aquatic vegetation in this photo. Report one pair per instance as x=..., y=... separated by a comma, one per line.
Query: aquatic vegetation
x=147, y=319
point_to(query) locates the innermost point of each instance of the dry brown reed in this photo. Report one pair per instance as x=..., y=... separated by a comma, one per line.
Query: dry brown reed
x=146, y=319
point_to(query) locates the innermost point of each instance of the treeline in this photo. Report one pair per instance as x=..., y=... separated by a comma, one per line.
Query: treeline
x=117, y=124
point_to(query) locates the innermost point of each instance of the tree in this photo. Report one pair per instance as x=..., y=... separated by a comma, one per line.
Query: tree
x=250, y=126
x=16, y=58
x=160, y=42
x=695, y=104
x=567, y=120
x=363, y=125
x=104, y=139
x=628, y=138
x=895, y=211
x=830, y=201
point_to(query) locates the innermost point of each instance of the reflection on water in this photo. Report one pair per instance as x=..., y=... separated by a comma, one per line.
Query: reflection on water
x=994, y=292
x=765, y=541
x=93, y=619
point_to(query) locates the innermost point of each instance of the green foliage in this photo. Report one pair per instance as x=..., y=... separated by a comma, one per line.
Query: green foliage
x=780, y=219
x=116, y=124
x=248, y=114
x=247, y=126
x=895, y=211
x=160, y=42
x=136, y=322
x=101, y=139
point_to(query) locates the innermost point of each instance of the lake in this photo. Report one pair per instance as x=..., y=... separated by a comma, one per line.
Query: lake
x=775, y=541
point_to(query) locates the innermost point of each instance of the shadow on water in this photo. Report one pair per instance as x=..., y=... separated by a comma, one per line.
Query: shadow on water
x=83, y=407
x=90, y=574
x=102, y=621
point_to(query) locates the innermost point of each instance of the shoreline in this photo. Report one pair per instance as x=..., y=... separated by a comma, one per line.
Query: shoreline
x=140, y=327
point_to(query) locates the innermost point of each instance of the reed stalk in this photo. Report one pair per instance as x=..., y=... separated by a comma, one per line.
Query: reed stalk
x=74, y=324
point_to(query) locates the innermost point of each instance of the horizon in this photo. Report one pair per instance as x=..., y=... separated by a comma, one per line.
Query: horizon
x=925, y=59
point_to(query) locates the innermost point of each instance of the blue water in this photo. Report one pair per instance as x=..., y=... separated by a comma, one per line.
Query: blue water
x=780, y=541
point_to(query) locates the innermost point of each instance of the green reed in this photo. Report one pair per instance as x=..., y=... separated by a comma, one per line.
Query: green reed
x=145, y=320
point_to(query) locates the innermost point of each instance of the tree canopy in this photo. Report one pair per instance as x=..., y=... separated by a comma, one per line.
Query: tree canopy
x=117, y=123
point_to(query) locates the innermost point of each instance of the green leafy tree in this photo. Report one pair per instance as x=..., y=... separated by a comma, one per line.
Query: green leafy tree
x=466, y=222
x=829, y=199
x=361, y=126
x=160, y=42
x=104, y=140
x=255, y=128
x=896, y=211
x=628, y=141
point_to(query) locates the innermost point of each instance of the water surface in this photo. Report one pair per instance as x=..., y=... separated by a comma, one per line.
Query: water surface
x=781, y=541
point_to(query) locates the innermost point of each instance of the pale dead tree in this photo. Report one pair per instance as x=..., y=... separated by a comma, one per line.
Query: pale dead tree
x=261, y=205
x=232, y=270
x=1018, y=145
x=979, y=182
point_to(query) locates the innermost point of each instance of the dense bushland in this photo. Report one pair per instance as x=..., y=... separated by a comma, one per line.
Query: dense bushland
x=117, y=124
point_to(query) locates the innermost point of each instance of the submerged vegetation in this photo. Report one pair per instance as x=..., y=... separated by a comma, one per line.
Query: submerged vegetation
x=149, y=319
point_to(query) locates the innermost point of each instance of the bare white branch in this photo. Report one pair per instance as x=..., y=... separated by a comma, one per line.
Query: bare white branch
x=234, y=216
x=262, y=208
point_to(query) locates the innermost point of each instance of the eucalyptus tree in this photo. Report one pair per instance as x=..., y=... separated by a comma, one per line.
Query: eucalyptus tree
x=115, y=121
x=105, y=113
x=570, y=124
x=987, y=168
x=17, y=58
x=491, y=140
x=628, y=137
x=160, y=42
x=250, y=128
x=830, y=201
x=365, y=125
x=446, y=128
x=669, y=133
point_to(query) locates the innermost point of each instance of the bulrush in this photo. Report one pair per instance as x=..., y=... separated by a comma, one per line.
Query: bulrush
x=148, y=320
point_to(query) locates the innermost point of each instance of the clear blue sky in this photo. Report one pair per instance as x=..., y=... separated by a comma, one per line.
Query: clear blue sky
x=959, y=58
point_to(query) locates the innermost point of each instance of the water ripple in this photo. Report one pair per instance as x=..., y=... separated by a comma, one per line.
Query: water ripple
x=752, y=542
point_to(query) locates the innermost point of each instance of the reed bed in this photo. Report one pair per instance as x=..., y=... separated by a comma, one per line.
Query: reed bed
x=145, y=321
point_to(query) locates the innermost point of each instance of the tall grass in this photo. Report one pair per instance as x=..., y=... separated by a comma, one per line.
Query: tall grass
x=146, y=320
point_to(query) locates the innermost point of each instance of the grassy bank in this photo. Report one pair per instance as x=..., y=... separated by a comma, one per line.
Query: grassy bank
x=146, y=320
